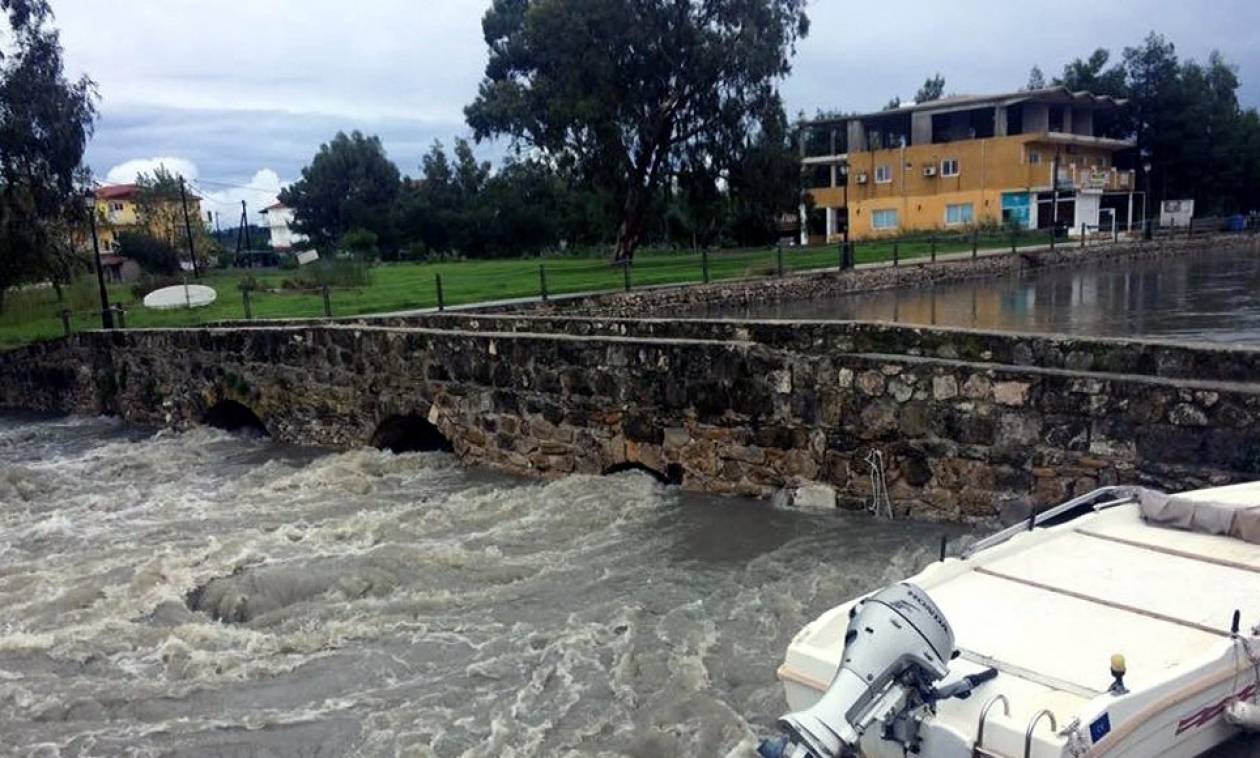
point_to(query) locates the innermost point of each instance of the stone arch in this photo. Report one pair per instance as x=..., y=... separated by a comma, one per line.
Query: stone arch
x=672, y=475
x=410, y=433
x=232, y=416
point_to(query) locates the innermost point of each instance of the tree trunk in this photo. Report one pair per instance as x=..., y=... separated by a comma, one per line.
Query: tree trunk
x=631, y=229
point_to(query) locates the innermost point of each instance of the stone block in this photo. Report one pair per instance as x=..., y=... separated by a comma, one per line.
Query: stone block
x=944, y=387
x=676, y=437
x=1011, y=393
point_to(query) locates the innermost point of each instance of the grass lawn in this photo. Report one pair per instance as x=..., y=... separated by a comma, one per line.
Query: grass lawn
x=32, y=314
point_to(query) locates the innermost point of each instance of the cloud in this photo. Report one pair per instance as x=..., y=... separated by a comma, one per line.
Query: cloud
x=235, y=88
x=262, y=190
x=217, y=197
x=126, y=173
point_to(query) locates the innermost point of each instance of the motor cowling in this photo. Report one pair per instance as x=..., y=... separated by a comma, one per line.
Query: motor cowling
x=897, y=645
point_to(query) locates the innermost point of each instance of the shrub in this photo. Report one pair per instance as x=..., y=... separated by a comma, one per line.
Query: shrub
x=339, y=272
x=361, y=243
x=149, y=283
x=152, y=254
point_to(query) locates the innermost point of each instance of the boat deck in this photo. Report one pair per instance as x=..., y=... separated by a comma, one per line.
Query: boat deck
x=1049, y=608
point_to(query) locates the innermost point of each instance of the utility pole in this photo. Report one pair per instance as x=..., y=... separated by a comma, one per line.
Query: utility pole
x=245, y=226
x=192, y=251
x=107, y=315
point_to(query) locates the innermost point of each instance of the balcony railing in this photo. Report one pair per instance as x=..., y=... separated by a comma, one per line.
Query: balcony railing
x=1104, y=179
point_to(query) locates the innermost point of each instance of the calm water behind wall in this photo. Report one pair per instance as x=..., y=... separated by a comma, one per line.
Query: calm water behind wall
x=1211, y=297
x=203, y=594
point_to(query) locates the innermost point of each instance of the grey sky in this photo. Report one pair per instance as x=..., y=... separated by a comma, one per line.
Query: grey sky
x=231, y=89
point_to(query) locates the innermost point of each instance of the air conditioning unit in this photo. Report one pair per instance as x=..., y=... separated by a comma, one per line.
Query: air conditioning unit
x=863, y=179
x=929, y=170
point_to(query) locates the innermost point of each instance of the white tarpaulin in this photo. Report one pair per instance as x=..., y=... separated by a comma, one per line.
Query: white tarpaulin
x=1222, y=514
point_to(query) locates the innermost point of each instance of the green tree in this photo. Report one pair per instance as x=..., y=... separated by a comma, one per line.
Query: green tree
x=153, y=254
x=1036, y=79
x=350, y=184
x=436, y=210
x=1092, y=75
x=623, y=90
x=159, y=206
x=933, y=89
x=45, y=123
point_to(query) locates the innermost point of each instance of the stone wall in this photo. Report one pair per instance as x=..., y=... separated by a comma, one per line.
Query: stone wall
x=970, y=426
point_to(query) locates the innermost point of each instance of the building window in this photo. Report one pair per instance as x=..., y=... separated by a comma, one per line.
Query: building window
x=1034, y=157
x=957, y=215
x=949, y=167
x=885, y=219
x=116, y=207
x=883, y=174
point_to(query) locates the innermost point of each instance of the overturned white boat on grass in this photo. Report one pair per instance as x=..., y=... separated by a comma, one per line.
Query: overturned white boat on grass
x=1121, y=624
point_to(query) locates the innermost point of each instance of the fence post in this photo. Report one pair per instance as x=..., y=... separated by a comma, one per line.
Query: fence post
x=934, y=248
x=1190, y=229
x=704, y=264
x=65, y=320
x=1014, y=239
x=843, y=255
x=1084, y=233
x=249, y=311
x=780, y=258
x=625, y=269
x=327, y=302
x=120, y=316
x=542, y=281
x=975, y=243
x=896, y=253
x=437, y=279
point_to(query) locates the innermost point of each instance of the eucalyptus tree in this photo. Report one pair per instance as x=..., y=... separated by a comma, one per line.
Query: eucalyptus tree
x=45, y=122
x=626, y=92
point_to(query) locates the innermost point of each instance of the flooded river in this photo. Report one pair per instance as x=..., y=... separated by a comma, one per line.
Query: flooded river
x=204, y=594
x=1213, y=297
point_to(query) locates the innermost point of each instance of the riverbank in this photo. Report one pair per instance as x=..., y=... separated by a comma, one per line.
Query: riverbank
x=33, y=313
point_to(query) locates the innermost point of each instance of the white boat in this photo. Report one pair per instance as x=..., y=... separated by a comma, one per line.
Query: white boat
x=1121, y=624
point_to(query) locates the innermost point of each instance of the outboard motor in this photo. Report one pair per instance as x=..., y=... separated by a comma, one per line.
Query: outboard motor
x=898, y=645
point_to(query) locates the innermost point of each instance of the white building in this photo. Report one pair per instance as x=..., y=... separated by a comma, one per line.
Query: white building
x=279, y=220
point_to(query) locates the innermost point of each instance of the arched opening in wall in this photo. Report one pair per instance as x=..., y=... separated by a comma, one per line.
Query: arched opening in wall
x=231, y=416
x=410, y=434
x=671, y=476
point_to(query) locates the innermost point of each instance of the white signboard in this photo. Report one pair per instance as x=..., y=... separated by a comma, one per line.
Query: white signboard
x=306, y=257
x=1176, y=212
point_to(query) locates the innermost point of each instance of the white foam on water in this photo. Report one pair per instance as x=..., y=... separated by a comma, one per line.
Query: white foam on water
x=392, y=604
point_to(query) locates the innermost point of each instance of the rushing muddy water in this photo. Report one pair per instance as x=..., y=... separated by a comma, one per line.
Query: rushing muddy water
x=1208, y=297
x=204, y=594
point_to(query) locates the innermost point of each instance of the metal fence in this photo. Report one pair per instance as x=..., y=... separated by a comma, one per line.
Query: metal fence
x=401, y=288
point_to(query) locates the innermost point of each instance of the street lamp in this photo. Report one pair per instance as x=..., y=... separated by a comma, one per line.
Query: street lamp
x=107, y=315
x=1146, y=199
x=844, y=179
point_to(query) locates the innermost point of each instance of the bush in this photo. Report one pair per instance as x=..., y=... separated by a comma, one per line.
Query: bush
x=149, y=283
x=225, y=259
x=361, y=243
x=288, y=262
x=339, y=272
x=152, y=254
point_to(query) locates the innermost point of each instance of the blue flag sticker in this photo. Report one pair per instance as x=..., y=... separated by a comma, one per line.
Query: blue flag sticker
x=1100, y=728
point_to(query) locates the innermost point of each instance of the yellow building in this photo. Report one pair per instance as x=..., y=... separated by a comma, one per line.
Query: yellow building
x=1030, y=159
x=117, y=212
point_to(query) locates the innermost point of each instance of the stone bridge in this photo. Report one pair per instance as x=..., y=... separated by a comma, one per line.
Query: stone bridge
x=971, y=425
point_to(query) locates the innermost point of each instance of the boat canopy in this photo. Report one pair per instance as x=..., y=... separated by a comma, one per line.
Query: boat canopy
x=1229, y=511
